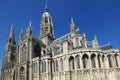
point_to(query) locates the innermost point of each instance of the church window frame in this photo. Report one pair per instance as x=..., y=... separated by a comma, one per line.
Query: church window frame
x=23, y=53
x=110, y=61
x=85, y=60
x=93, y=60
x=71, y=63
x=78, y=61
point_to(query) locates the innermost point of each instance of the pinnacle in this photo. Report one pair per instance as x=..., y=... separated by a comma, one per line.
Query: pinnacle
x=72, y=22
x=11, y=35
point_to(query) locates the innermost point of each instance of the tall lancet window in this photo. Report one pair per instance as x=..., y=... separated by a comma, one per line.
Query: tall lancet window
x=93, y=56
x=116, y=59
x=71, y=63
x=99, y=63
x=77, y=42
x=78, y=61
x=110, y=61
x=23, y=53
x=85, y=60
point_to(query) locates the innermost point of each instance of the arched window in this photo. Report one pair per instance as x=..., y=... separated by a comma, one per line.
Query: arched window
x=116, y=59
x=62, y=66
x=93, y=60
x=71, y=63
x=22, y=73
x=99, y=57
x=85, y=60
x=110, y=61
x=22, y=70
x=78, y=61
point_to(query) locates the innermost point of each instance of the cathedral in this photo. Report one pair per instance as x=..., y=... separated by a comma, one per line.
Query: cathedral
x=70, y=57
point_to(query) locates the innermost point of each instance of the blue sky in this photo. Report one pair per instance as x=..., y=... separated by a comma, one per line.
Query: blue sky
x=93, y=17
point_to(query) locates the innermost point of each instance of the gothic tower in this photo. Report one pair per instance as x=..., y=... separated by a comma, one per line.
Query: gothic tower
x=10, y=50
x=9, y=58
x=46, y=30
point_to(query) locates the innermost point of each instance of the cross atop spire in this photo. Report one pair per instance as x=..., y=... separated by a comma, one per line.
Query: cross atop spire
x=11, y=35
x=46, y=8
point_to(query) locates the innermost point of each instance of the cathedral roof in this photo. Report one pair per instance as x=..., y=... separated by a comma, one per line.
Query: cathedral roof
x=65, y=37
x=106, y=47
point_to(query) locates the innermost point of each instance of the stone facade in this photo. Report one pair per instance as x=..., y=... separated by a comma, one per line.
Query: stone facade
x=70, y=57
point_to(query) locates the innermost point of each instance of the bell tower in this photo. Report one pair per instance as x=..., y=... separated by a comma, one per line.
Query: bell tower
x=46, y=30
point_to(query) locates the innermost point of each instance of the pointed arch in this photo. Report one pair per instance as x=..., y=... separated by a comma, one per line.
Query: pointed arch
x=77, y=58
x=22, y=73
x=93, y=63
x=85, y=60
x=99, y=61
x=23, y=53
x=71, y=63
x=110, y=61
x=117, y=60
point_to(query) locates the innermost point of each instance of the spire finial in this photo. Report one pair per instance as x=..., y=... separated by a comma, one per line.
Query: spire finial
x=46, y=7
x=21, y=31
x=30, y=23
x=95, y=38
x=11, y=35
x=72, y=21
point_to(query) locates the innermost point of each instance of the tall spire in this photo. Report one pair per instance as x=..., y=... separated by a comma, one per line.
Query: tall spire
x=11, y=35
